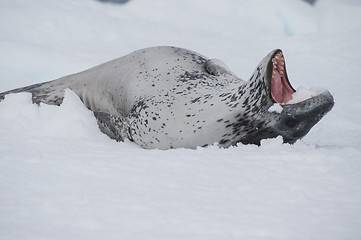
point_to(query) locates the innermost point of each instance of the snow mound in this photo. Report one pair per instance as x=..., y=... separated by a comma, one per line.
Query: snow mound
x=71, y=119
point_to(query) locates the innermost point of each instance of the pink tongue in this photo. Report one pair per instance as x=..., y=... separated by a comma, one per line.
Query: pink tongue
x=277, y=87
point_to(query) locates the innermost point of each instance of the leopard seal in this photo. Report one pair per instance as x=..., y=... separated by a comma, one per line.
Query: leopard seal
x=170, y=97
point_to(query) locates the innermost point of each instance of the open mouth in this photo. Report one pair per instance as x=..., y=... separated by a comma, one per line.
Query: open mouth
x=281, y=89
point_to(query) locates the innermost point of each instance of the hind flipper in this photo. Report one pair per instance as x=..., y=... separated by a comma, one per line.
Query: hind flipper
x=216, y=67
x=48, y=92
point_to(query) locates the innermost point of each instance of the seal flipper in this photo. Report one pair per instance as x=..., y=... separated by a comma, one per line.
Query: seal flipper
x=53, y=93
x=116, y=128
x=216, y=67
x=47, y=92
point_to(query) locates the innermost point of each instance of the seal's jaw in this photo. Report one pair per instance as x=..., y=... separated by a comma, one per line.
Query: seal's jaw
x=296, y=120
x=280, y=88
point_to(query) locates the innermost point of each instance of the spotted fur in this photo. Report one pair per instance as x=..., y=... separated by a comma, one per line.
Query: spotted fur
x=168, y=97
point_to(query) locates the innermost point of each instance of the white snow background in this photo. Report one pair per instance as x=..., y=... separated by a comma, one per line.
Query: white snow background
x=61, y=178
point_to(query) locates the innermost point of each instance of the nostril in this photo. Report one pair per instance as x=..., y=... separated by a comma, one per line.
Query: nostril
x=291, y=122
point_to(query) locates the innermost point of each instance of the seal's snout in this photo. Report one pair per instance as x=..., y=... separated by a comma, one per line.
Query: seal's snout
x=296, y=120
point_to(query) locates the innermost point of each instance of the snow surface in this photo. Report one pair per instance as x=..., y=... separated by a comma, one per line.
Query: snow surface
x=60, y=178
x=276, y=107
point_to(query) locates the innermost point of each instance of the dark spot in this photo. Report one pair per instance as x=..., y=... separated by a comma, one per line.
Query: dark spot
x=195, y=100
x=223, y=141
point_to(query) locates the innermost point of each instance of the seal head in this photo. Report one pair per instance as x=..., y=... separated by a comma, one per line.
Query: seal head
x=293, y=120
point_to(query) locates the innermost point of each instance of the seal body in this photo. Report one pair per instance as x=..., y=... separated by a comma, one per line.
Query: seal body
x=168, y=97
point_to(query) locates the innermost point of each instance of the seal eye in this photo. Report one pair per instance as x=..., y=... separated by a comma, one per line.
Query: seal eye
x=291, y=122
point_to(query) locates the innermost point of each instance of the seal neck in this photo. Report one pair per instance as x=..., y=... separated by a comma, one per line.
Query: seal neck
x=258, y=86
